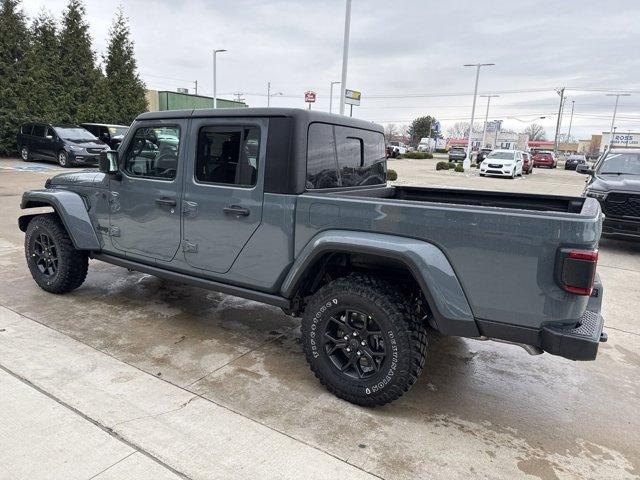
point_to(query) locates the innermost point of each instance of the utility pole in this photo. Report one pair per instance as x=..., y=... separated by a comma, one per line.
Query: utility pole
x=486, y=118
x=239, y=97
x=196, y=86
x=615, y=110
x=467, y=161
x=555, y=141
x=331, y=95
x=345, y=55
x=573, y=104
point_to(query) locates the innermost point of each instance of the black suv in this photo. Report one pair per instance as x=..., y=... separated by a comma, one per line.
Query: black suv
x=112, y=135
x=615, y=183
x=68, y=145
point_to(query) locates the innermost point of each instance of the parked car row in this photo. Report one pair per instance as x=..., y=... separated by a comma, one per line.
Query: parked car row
x=68, y=145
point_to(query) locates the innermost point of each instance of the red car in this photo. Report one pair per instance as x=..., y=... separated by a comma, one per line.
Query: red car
x=545, y=159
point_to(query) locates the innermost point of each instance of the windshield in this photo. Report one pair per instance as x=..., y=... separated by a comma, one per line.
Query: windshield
x=74, y=133
x=501, y=156
x=115, y=131
x=620, y=163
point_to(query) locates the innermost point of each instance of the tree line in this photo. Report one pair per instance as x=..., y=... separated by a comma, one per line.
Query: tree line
x=49, y=71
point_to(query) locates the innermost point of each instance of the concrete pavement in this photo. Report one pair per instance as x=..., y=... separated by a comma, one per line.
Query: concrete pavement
x=196, y=384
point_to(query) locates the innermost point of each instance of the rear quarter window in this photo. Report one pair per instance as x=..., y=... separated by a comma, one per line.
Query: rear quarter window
x=26, y=129
x=339, y=156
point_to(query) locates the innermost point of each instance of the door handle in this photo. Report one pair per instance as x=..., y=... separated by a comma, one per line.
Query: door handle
x=236, y=210
x=167, y=201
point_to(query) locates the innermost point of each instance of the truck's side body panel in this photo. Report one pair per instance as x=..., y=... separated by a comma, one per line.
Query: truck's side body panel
x=503, y=258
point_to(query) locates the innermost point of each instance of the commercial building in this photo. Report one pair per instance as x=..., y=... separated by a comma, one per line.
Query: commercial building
x=502, y=140
x=166, y=100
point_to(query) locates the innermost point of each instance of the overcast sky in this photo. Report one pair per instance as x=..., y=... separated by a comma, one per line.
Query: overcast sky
x=398, y=48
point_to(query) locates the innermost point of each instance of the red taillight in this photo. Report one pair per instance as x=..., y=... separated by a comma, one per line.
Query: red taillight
x=576, y=270
x=590, y=255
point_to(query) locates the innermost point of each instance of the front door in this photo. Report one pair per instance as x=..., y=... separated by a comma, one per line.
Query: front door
x=222, y=201
x=145, y=201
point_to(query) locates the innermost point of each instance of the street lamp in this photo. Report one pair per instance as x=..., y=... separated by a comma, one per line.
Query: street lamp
x=215, y=96
x=345, y=55
x=467, y=161
x=486, y=117
x=269, y=94
x=331, y=95
x=615, y=110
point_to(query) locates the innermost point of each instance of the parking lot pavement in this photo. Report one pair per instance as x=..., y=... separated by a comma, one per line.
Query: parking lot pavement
x=204, y=385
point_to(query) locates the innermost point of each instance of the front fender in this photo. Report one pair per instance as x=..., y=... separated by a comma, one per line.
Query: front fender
x=72, y=211
x=427, y=263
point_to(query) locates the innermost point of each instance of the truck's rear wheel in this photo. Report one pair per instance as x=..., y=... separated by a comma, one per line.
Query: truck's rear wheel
x=362, y=340
x=55, y=265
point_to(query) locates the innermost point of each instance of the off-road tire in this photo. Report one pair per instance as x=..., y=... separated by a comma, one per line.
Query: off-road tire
x=72, y=264
x=405, y=337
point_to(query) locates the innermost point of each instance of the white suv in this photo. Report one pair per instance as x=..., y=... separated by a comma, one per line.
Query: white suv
x=503, y=163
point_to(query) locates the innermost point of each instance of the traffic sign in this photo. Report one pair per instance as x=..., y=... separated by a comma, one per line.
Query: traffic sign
x=309, y=96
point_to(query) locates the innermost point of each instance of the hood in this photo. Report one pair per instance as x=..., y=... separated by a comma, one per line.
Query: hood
x=87, y=143
x=498, y=161
x=84, y=178
x=621, y=183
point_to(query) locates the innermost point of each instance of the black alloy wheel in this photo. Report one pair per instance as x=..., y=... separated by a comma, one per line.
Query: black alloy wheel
x=355, y=344
x=45, y=255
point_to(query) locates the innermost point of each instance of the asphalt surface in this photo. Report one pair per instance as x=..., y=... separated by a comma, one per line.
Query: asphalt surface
x=160, y=380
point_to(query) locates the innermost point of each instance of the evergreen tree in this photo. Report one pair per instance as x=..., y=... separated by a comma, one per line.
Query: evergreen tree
x=14, y=45
x=44, y=71
x=125, y=91
x=82, y=79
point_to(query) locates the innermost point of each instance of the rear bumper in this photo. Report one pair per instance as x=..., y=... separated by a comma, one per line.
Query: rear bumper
x=581, y=341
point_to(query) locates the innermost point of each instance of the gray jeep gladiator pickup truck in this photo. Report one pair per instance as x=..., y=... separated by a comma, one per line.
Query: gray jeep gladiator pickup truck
x=292, y=208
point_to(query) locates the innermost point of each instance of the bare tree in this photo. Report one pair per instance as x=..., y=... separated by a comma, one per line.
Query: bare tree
x=535, y=132
x=458, y=130
x=391, y=130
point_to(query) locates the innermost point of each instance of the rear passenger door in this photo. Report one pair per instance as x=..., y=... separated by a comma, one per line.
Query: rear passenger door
x=222, y=203
x=36, y=141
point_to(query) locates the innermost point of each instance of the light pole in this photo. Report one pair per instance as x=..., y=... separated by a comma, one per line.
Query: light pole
x=467, y=161
x=486, y=117
x=215, y=96
x=345, y=55
x=331, y=95
x=615, y=110
x=269, y=94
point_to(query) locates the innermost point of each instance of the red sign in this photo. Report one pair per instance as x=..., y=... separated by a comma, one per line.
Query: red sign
x=310, y=97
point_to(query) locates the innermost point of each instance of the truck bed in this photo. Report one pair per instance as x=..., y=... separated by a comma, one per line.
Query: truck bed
x=520, y=201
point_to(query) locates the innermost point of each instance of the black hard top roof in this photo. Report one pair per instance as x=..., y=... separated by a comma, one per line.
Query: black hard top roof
x=302, y=115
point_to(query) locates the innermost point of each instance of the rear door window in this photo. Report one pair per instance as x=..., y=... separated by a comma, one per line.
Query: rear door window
x=340, y=156
x=38, y=131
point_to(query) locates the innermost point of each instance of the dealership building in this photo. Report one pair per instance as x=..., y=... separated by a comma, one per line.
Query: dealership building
x=167, y=100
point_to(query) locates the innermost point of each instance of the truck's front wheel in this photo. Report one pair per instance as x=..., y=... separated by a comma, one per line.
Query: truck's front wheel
x=362, y=340
x=55, y=264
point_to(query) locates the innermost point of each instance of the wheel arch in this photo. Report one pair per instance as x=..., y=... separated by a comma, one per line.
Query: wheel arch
x=70, y=208
x=425, y=262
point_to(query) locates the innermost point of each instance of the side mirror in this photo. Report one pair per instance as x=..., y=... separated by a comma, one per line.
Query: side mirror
x=584, y=169
x=109, y=161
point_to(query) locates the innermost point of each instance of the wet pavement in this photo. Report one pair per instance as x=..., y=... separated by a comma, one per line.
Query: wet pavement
x=479, y=410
